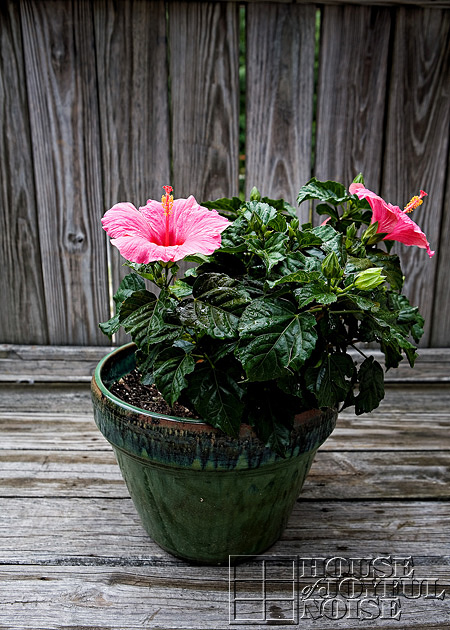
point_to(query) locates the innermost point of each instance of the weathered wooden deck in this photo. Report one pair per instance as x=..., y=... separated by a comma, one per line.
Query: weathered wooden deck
x=74, y=555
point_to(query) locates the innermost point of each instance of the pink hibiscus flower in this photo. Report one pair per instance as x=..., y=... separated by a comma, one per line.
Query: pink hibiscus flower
x=166, y=231
x=393, y=221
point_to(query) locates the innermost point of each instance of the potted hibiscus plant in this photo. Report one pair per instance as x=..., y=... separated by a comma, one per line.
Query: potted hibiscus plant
x=249, y=351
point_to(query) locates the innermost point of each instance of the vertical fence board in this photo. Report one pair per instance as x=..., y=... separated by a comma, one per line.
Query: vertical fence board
x=417, y=141
x=134, y=106
x=352, y=88
x=279, y=98
x=60, y=61
x=440, y=324
x=22, y=316
x=204, y=61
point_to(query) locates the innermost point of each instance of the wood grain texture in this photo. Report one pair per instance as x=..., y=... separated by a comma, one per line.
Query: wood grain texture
x=279, y=98
x=161, y=597
x=63, y=104
x=60, y=418
x=440, y=324
x=73, y=552
x=22, y=315
x=344, y=474
x=417, y=147
x=353, y=73
x=204, y=40
x=102, y=571
x=131, y=54
x=77, y=363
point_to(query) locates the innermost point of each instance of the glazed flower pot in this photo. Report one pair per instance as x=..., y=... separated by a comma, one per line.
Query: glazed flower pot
x=202, y=495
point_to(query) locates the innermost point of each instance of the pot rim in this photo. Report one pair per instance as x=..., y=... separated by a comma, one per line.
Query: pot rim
x=98, y=386
x=98, y=380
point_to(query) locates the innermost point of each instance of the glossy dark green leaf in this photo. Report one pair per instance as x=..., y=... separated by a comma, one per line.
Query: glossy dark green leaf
x=170, y=371
x=136, y=312
x=390, y=263
x=262, y=211
x=274, y=339
x=217, y=399
x=281, y=205
x=130, y=283
x=228, y=207
x=327, y=192
x=314, y=292
x=111, y=326
x=180, y=289
x=371, y=386
x=331, y=380
x=216, y=306
x=142, y=315
x=232, y=239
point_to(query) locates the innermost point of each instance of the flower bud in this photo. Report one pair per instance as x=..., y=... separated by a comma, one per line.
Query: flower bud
x=255, y=195
x=330, y=267
x=369, y=279
x=351, y=231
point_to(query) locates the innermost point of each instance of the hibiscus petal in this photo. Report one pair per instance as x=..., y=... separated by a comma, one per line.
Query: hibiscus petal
x=124, y=219
x=408, y=232
x=392, y=221
x=150, y=233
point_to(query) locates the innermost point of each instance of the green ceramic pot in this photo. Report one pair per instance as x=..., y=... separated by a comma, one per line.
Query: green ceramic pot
x=203, y=495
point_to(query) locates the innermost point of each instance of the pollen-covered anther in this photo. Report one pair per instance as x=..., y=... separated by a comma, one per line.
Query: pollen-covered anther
x=167, y=200
x=415, y=202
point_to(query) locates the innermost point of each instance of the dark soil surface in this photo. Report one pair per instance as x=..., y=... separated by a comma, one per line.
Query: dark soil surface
x=130, y=390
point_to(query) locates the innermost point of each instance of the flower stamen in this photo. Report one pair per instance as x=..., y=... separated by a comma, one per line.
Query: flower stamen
x=415, y=202
x=167, y=200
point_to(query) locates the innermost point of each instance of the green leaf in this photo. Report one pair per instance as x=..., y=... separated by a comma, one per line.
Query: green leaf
x=130, y=283
x=232, y=239
x=281, y=205
x=301, y=276
x=225, y=206
x=357, y=264
x=359, y=301
x=332, y=241
x=315, y=292
x=262, y=211
x=328, y=192
x=272, y=251
x=111, y=326
x=135, y=313
x=180, y=289
x=218, y=302
x=308, y=239
x=324, y=208
x=128, y=286
x=331, y=268
x=274, y=338
x=196, y=258
x=392, y=354
x=331, y=380
x=217, y=399
x=142, y=315
x=170, y=369
x=151, y=271
x=371, y=386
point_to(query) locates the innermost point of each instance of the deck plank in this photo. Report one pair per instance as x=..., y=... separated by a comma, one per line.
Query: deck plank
x=92, y=598
x=334, y=474
x=74, y=555
x=75, y=364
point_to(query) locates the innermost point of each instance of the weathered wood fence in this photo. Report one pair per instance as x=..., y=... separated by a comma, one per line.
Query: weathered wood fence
x=104, y=101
